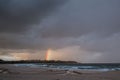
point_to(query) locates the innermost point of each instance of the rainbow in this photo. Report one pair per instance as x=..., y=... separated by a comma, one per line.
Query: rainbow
x=47, y=57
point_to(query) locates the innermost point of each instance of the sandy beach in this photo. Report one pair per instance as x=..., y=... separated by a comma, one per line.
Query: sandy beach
x=11, y=72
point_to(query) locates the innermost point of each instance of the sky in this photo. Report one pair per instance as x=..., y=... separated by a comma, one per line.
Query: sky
x=85, y=31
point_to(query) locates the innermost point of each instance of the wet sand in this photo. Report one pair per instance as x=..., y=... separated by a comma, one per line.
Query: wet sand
x=27, y=73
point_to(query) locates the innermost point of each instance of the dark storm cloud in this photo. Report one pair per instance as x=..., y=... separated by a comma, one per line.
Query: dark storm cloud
x=77, y=23
x=94, y=25
x=82, y=17
x=17, y=15
x=89, y=29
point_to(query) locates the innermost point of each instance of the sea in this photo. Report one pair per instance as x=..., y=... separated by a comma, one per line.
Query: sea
x=89, y=67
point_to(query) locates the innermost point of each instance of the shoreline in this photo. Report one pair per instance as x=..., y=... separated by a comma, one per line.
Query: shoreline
x=34, y=73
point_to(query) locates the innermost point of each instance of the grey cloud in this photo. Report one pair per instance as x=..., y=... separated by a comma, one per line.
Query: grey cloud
x=17, y=15
x=82, y=17
x=76, y=19
x=91, y=24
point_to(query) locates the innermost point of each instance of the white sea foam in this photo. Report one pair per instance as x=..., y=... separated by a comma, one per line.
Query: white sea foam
x=94, y=68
